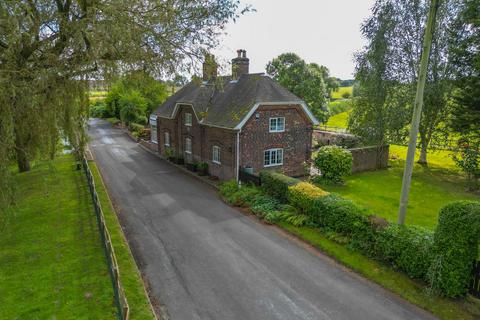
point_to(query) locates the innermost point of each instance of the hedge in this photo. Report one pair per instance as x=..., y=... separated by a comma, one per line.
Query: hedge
x=406, y=247
x=456, y=247
x=334, y=163
x=303, y=195
x=276, y=184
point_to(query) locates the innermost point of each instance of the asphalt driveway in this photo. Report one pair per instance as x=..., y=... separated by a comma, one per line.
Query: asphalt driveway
x=205, y=260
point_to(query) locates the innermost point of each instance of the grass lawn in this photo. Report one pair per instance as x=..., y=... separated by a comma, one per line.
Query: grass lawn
x=389, y=278
x=130, y=277
x=339, y=120
x=341, y=90
x=432, y=187
x=52, y=263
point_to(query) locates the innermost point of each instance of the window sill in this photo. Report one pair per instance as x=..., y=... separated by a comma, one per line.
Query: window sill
x=189, y=152
x=216, y=162
x=188, y=125
x=153, y=141
x=166, y=145
x=279, y=131
x=272, y=165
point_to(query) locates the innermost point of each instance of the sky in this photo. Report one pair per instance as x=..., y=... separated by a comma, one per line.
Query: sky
x=323, y=31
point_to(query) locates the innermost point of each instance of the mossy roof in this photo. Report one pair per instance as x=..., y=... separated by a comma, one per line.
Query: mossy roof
x=224, y=102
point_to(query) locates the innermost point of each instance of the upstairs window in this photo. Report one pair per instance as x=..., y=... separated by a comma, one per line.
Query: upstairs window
x=188, y=145
x=277, y=124
x=167, y=138
x=273, y=157
x=188, y=119
x=216, y=154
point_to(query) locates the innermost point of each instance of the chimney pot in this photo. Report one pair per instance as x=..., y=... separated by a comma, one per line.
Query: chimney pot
x=240, y=64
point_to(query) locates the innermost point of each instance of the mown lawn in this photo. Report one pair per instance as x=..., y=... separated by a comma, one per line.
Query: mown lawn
x=339, y=120
x=52, y=263
x=432, y=187
x=338, y=94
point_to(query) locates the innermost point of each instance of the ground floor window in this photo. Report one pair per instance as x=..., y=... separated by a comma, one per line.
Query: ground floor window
x=273, y=157
x=188, y=145
x=167, y=138
x=153, y=130
x=216, y=154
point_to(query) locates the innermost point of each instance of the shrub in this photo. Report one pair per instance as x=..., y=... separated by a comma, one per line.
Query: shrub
x=135, y=127
x=407, y=248
x=113, y=121
x=132, y=106
x=240, y=197
x=276, y=184
x=263, y=204
x=455, y=248
x=345, y=217
x=99, y=110
x=467, y=158
x=333, y=162
x=303, y=194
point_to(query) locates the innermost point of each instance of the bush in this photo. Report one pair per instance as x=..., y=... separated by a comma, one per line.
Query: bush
x=407, y=248
x=263, y=204
x=135, y=127
x=99, y=110
x=343, y=216
x=339, y=106
x=303, y=195
x=276, y=184
x=334, y=163
x=455, y=247
x=240, y=197
x=132, y=106
x=113, y=121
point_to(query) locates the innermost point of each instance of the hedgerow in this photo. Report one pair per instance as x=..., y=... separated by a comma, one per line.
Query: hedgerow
x=276, y=184
x=303, y=195
x=456, y=247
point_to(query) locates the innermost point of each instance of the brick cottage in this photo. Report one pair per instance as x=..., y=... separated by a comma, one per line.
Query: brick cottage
x=242, y=121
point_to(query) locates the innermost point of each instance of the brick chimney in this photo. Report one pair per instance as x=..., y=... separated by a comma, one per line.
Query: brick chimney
x=240, y=64
x=209, y=67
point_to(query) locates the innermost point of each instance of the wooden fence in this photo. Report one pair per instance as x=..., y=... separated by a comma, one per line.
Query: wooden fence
x=475, y=287
x=118, y=292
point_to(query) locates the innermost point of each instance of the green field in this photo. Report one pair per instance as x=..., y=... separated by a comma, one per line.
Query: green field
x=52, y=261
x=432, y=187
x=341, y=90
x=339, y=120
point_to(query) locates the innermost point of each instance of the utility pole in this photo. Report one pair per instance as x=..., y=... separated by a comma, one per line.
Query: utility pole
x=417, y=110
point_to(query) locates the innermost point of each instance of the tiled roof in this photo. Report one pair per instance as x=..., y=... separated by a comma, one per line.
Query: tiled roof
x=225, y=102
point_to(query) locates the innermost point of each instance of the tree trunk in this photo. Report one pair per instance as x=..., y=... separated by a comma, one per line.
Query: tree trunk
x=423, y=151
x=22, y=160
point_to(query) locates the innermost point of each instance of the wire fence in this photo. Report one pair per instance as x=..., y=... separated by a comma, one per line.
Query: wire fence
x=118, y=291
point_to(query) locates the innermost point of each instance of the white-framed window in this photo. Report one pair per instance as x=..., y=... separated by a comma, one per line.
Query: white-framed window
x=277, y=124
x=188, y=145
x=188, y=119
x=166, y=138
x=153, y=129
x=273, y=157
x=216, y=154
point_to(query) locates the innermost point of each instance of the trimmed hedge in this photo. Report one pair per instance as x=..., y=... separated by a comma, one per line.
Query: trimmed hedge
x=407, y=248
x=456, y=247
x=276, y=184
x=303, y=195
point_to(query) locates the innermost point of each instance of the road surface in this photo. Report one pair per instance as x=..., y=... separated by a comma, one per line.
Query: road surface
x=205, y=260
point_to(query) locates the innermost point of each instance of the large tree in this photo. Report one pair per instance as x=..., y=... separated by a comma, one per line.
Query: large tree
x=391, y=59
x=49, y=48
x=306, y=80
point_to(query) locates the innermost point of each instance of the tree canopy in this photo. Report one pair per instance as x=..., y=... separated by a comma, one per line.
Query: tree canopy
x=48, y=49
x=306, y=80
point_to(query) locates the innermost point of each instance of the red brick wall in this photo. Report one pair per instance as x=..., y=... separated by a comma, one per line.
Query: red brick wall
x=295, y=140
x=203, y=139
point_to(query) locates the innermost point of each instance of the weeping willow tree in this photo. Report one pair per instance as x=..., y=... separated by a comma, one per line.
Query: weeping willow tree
x=48, y=49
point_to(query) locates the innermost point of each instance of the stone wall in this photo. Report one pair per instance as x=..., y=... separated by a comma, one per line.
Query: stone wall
x=325, y=138
x=370, y=158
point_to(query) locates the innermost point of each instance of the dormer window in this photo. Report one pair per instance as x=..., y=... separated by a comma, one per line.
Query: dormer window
x=277, y=124
x=188, y=119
